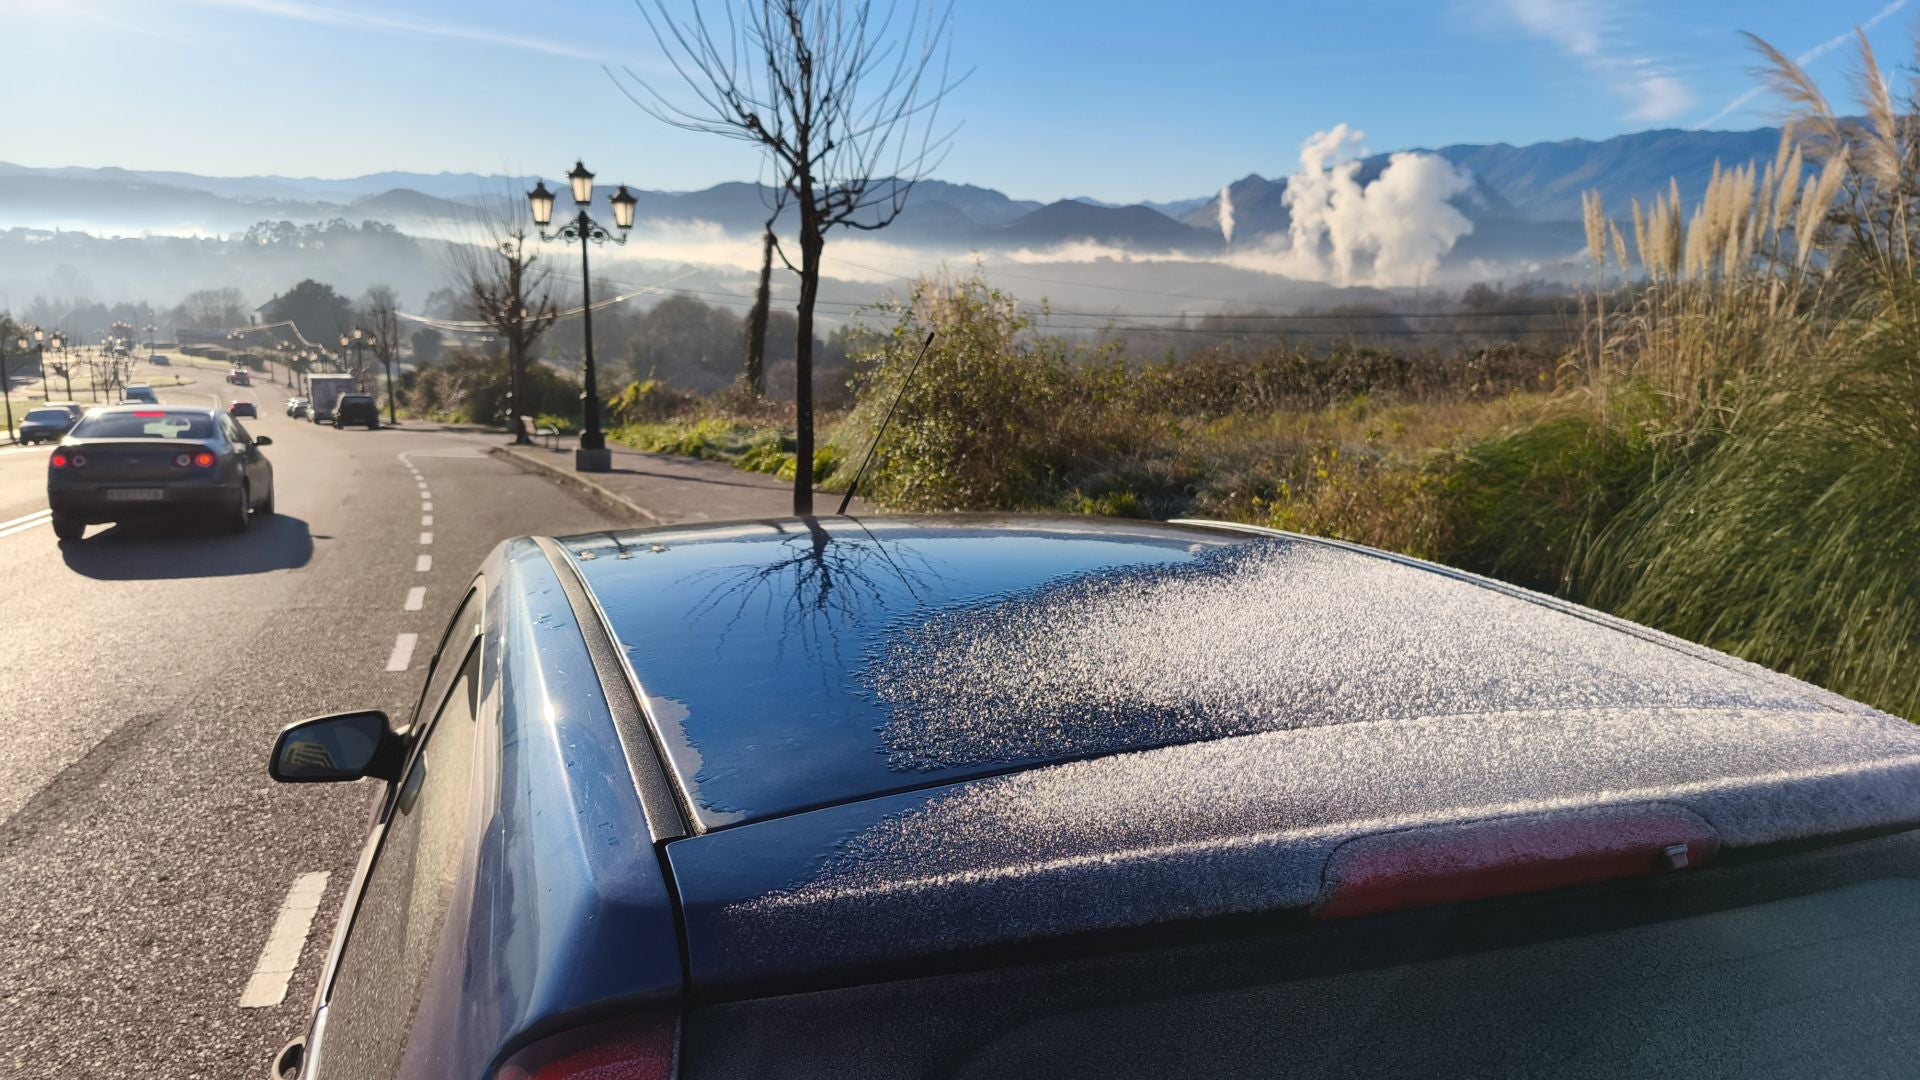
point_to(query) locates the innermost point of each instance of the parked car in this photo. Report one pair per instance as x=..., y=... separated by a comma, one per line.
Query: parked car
x=356, y=409
x=128, y=462
x=297, y=407
x=159, y=360
x=76, y=409
x=933, y=797
x=140, y=393
x=45, y=425
x=243, y=408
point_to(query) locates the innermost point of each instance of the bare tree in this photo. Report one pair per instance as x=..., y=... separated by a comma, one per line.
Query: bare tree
x=509, y=292
x=843, y=100
x=380, y=313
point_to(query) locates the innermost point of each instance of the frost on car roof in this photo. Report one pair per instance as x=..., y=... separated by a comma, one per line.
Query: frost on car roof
x=814, y=663
x=1280, y=634
x=1250, y=823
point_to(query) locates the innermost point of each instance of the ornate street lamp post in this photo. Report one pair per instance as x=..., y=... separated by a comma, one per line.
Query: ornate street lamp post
x=59, y=344
x=6, y=382
x=592, y=456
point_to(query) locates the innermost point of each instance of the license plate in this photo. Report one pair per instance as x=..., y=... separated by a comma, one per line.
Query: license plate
x=135, y=495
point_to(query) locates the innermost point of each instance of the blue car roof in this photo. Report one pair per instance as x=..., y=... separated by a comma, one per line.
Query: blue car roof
x=797, y=665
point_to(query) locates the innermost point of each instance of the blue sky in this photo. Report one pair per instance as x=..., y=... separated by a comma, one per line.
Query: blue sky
x=1117, y=99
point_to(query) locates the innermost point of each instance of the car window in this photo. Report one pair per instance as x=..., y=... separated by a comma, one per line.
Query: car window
x=237, y=433
x=453, y=645
x=396, y=926
x=145, y=425
x=50, y=416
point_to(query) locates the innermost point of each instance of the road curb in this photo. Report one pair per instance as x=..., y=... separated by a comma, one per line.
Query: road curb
x=597, y=493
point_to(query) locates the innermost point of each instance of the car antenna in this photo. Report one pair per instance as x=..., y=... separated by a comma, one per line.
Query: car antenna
x=868, y=460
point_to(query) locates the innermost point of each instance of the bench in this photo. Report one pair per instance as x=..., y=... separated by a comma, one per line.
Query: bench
x=549, y=433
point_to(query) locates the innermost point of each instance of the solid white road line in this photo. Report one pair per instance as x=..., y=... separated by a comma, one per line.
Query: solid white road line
x=22, y=524
x=416, y=598
x=426, y=538
x=281, y=954
x=402, y=657
x=426, y=519
x=423, y=564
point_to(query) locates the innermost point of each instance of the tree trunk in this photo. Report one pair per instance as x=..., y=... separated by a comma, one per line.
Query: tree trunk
x=757, y=321
x=811, y=244
x=516, y=387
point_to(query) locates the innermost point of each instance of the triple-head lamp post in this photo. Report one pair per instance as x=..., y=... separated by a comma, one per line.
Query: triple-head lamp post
x=592, y=456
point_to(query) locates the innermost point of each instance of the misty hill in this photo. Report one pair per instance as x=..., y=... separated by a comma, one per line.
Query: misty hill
x=1544, y=181
x=1134, y=227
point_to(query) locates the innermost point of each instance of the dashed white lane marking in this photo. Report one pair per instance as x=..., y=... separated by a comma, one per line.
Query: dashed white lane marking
x=281, y=954
x=422, y=483
x=426, y=508
x=423, y=564
x=426, y=519
x=425, y=495
x=426, y=538
x=402, y=657
x=22, y=524
x=416, y=598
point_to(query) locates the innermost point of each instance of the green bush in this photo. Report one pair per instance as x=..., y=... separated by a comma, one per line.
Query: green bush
x=1524, y=507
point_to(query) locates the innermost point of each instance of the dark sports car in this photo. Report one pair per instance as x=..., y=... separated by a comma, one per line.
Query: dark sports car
x=976, y=798
x=132, y=462
x=44, y=425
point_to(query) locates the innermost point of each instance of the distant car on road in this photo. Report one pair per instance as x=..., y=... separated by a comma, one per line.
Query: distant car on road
x=243, y=408
x=240, y=377
x=297, y=407
x=129, y=462
x=356, y=409
x=966, y=797
x=157, y=360
x=45, y=425
x=141, y=393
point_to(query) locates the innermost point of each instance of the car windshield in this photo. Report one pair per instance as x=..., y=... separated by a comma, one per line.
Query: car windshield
x=145, y=425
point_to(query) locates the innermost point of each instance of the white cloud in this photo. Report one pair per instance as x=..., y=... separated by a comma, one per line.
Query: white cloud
x=1589, y=31
x=301, y=11
x=1803, y=60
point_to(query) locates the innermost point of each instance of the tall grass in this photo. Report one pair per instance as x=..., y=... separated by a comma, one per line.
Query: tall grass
x=1781, y=518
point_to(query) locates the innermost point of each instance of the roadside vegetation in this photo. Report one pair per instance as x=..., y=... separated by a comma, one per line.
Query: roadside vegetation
x=1730, y=451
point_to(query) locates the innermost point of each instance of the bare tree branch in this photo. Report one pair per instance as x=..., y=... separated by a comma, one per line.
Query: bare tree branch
x=841, y=96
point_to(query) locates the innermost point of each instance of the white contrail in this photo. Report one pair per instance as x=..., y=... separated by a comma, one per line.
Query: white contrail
x=1226, y=212
x=1804, y=59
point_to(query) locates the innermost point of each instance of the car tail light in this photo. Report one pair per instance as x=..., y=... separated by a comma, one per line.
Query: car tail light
x=203, y=459
x=642, y=1047
x=1456, y=863
x=59, y=461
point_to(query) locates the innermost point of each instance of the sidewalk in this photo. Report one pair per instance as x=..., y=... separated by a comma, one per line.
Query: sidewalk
x=655, y=489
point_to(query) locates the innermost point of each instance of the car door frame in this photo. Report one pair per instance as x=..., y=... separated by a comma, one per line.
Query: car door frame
x=475, y=595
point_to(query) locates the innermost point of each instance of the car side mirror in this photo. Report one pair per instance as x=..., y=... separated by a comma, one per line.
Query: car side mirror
x=262, y=440
x=344, y=746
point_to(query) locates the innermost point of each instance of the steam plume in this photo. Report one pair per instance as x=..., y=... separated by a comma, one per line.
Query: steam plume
x=1226, y=212
x=1392, y=231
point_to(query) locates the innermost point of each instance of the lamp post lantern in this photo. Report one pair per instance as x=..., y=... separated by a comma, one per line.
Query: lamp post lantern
x=592, y=456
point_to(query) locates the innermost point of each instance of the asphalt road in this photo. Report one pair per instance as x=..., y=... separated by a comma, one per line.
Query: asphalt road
x=144, y=853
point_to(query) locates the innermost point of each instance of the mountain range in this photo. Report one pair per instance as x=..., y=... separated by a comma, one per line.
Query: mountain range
x=1523, y=203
